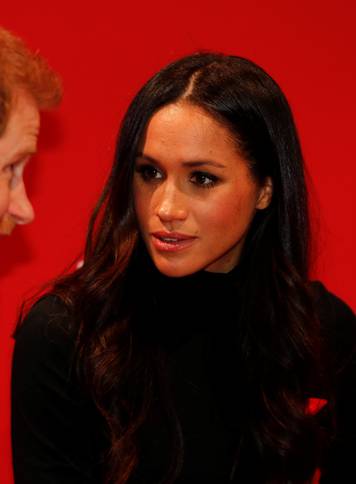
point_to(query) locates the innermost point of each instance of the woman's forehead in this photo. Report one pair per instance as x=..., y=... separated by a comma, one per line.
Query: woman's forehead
x=187, y=131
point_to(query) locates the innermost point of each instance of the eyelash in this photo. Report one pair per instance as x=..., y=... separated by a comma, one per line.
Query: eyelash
x=10, y=167
x=9, y=170
x=144, y=170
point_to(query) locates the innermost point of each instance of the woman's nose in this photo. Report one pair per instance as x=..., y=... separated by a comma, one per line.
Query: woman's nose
x=171, y=204
x=20, y=207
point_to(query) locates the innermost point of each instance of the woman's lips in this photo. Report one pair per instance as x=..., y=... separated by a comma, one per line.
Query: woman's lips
x=172, y=246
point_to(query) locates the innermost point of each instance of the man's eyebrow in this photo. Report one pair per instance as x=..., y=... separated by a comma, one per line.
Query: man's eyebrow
x=191, y=163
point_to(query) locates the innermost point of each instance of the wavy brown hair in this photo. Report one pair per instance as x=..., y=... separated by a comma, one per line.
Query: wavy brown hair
x=279, y=342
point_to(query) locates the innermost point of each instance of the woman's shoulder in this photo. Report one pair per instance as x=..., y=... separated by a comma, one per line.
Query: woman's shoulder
x=331, y=309
x=329, y=305
x=49, y=326
x=337, y=324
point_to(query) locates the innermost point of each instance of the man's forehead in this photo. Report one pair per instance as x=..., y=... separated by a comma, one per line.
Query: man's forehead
x=25, y=109
x=19, y=138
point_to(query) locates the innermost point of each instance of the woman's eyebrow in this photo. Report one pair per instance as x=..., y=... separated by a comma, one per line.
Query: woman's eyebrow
x=191, y=163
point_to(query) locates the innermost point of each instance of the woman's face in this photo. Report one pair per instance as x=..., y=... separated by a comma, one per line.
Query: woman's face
x=194, y=194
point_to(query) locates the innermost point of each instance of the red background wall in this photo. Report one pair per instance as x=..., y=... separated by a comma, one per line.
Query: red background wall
x=104, y=53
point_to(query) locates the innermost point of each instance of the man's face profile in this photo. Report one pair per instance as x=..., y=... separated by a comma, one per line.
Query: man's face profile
x=17, y=144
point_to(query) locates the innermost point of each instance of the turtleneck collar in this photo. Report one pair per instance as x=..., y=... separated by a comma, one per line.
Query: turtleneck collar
x=176, y=308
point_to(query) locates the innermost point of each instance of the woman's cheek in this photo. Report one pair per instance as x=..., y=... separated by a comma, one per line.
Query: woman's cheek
x=221, y=212
x=231, y=216
x=138, y=203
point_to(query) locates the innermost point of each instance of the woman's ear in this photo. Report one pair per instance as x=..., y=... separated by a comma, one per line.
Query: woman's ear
x=265, y=195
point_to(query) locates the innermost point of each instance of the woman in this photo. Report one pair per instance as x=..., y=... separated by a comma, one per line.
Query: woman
x=191, y=344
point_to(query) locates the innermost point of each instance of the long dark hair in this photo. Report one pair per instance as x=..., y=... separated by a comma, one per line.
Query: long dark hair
x=279, y=333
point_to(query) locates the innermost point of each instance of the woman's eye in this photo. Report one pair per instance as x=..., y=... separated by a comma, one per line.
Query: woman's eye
x=199, y=178
x=148, y=172
x=204, y=180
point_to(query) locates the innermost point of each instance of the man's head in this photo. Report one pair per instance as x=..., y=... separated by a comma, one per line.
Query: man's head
x=27, y=85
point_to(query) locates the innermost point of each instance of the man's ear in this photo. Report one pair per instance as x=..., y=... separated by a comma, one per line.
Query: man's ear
x=265, y=195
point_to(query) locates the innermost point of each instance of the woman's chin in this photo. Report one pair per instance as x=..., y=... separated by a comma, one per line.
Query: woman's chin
x=178, y=269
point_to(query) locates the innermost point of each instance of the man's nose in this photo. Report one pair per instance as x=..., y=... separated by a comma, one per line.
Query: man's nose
x=171, y=204
x=20, y=207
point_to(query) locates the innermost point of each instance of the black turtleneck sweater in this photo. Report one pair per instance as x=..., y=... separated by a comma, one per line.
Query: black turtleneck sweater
x=59, y=436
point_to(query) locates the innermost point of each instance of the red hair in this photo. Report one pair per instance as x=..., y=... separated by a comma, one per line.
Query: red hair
x=21, y=68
